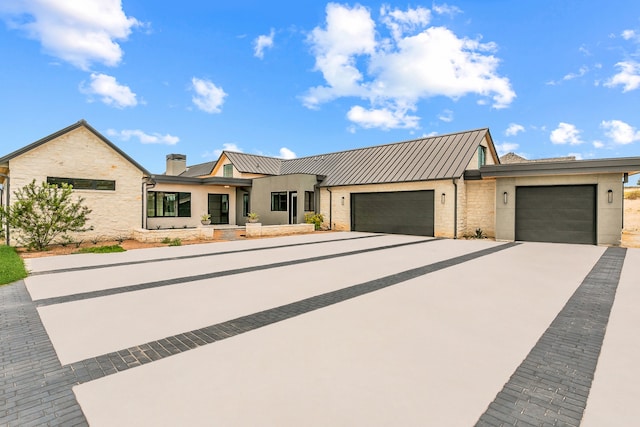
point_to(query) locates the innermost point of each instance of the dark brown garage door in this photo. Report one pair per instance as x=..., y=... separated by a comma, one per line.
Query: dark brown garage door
x=403, y=212
x=559, y=214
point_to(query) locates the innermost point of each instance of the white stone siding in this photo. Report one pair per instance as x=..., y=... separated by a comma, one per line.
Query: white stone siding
x=81, y=154
x=480, y=207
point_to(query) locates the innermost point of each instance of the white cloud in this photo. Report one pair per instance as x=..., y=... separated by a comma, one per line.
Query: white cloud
x=598, y=144
x=78, y=32
x=285, y=153
x=400, y=22
x=208, y=97
x=111, y=92
x=445, y=9
x=446, y=116
x=383, y=118
x=629, y=34
x=581, y=72
x=514, y=129
x=566, y=133
x=261, y=43
x=628, y=77
x=620, y=132
x=225, y=147
x=393, y=74
x=506, y=147
x=143, y=137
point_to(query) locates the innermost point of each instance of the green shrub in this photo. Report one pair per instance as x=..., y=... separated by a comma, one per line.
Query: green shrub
x=315, y=219
x=166, y=240
x=175, y=242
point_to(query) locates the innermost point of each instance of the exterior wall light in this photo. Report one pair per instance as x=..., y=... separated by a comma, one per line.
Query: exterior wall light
x=505, y=197
x=342, y=201
x=443, y=198
x=610, y=196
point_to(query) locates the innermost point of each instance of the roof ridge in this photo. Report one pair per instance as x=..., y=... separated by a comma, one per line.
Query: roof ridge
x=387, y=144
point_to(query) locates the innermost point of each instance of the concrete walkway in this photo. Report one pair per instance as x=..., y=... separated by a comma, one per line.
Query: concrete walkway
x=329, y=329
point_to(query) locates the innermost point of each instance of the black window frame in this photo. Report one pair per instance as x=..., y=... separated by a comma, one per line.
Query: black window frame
x=84, y=183
x=482, y=156
x=278, y=201
x=309, y=201
x=245, y=204
x=181, y=201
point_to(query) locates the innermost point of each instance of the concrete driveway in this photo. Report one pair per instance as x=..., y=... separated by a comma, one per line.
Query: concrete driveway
x=325, y=329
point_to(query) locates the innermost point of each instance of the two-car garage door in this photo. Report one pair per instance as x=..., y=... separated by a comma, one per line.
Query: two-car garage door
x=559, y=214
x=402, y=212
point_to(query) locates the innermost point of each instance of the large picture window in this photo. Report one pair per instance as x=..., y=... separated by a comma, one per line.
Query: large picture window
x=168, y=204
x=279, y=201
x=309, y=205
x=84, y=184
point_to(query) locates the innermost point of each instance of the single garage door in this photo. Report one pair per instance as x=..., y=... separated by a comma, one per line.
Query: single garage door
x=559, y=214
x=402, y=212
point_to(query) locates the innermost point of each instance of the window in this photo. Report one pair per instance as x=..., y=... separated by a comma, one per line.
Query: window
x=84, y=184
x=227, y=171
x=309, y=205
x=245, y=204
x=167, y=204
x=482, y=156
x=279, y=201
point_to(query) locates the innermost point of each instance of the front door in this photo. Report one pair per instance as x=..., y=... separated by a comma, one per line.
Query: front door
x=219, y=208
x=293, y=207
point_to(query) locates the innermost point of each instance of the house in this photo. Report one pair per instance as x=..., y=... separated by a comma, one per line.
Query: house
x=445, y=186
x=106, y=177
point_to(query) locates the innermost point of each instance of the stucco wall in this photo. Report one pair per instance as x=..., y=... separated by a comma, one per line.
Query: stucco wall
x=81, y=154
x=340, y=212
x=261, y=196
x=199, y=204
x=609, y=215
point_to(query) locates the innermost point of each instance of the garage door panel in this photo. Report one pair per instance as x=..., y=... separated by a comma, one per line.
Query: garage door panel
x=562, y=214
x=405, y=212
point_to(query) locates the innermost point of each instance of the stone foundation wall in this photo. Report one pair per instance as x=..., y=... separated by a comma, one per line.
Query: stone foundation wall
x=259, y=230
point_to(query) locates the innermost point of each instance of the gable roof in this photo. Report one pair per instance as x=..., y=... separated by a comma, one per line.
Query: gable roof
x=424, y=159
x=80, y=123
x=514, y=158
x=431, y=158
x=201, y=169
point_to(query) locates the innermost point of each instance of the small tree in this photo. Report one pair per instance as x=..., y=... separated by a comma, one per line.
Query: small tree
x=42, y=213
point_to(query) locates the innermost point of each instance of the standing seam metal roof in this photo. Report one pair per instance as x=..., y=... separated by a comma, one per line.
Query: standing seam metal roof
x=431, y=158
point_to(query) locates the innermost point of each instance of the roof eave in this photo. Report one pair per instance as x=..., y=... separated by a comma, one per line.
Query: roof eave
x=630, y=165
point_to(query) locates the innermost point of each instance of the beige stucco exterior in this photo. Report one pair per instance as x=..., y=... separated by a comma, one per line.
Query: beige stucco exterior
x=261, y=196
x=199, y=207
x=79, y=153
x=335, y=203
x=608, y=217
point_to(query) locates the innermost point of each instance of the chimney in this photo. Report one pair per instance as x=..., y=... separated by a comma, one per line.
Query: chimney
x=176, y=164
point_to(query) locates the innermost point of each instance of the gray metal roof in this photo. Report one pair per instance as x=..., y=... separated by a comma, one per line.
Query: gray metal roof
x=432, y=158
x=201, y=169
x=61, y=132
x=630, y=165
x=252, y=163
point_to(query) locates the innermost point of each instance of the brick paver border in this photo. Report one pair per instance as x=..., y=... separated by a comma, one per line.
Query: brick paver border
x=552, y=384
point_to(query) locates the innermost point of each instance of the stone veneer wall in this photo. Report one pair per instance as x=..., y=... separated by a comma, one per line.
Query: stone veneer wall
x=81, y=154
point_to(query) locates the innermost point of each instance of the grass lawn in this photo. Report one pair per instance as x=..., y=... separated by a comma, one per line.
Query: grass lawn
x=100, y=249
x=11, y=265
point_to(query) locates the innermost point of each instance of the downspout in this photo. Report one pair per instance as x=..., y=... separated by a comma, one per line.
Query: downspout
x=330, y=208
x=7, y=190
x=455, y=208
x=145, y=187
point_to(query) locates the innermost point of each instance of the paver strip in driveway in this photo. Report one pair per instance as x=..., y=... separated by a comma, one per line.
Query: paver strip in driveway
x=552, y=384
x=37, y=389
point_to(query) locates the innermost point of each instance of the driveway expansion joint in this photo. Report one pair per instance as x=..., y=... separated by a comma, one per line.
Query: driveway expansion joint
x=552, y=384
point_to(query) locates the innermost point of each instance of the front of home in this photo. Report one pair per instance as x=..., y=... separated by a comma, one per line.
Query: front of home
x=446, y=186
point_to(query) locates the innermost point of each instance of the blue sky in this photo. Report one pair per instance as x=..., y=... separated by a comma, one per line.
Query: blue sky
x=283, y=78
